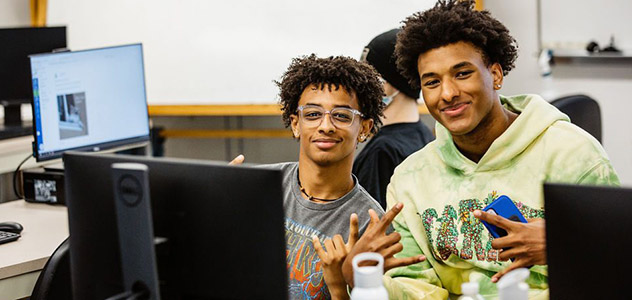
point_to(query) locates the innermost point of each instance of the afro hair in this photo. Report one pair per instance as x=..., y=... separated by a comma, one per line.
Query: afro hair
x=448, y=22
x=357, y=78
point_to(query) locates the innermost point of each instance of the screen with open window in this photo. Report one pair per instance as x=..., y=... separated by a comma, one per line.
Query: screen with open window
x=88, y=100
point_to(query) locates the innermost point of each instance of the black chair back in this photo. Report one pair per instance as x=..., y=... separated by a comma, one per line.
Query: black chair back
x=583, y=111
x=54, y=280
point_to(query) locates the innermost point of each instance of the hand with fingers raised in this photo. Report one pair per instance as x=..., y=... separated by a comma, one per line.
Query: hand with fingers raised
x=375, y=239
x=333, y=256
x=525, y=243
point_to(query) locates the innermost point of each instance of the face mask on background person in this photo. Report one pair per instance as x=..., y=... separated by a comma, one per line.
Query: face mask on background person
x=388, y=99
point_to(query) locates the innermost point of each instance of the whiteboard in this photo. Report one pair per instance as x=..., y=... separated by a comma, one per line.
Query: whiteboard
x=226, y=52
x=572, y=24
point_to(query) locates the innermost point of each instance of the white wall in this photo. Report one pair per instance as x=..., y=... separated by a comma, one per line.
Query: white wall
x=609, y=84
x=226, y=51
x=572, y=22
x=14, y=13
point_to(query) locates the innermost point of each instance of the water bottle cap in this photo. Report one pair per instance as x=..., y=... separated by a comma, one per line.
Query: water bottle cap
x=368, y=276
x=513, y=278
x=469, y=288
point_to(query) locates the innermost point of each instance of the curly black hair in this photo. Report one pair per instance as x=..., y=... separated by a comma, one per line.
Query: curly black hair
x=355, y=77
x=448, y=22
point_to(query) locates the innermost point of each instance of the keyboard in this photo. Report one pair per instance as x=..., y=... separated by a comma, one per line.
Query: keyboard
x=6, y=237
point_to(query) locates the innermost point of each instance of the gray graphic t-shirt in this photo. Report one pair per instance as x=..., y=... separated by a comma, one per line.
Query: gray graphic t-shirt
x=304, y=219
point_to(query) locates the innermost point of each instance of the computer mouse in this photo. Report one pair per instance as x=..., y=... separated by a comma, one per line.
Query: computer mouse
x=14, y=227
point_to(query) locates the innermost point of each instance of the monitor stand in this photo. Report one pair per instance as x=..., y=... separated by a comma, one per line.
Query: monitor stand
x=55, y=167
x=13, y=125
x=132, y=149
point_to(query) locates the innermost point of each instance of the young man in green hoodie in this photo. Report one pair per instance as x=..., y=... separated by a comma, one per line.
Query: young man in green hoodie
x=487, y=145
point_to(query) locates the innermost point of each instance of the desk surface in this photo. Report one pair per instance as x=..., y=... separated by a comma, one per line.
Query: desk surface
x=45, y=227
x=13, y=151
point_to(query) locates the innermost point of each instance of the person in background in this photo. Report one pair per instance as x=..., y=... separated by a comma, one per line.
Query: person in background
x=402, y=132
x=487, y=145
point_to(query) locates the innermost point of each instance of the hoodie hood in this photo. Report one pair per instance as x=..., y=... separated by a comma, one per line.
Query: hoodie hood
x=535, y=117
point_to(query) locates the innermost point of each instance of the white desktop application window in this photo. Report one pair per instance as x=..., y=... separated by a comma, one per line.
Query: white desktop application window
x=89, y=97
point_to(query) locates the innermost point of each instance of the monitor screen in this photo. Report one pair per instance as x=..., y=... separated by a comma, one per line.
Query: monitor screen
x=17, y=45
x=88, y=100
x=578, y=217
x=218, y=229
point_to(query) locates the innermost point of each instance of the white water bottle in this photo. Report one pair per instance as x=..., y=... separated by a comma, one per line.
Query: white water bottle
x=470, y=291
x=368, y=279
x=512, y=286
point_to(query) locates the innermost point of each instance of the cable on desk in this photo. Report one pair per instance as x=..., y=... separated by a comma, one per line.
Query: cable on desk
x=131, y=295
x=15, y=177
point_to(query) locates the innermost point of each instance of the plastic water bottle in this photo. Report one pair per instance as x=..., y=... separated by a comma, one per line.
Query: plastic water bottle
x=470, y=291
x=368, y=279
x=512, y=286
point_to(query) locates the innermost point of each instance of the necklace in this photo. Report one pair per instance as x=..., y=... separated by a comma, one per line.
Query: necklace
x=312, y=198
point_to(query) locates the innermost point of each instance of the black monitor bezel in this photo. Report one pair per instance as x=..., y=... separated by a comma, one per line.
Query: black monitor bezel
x=199, y=208
x=12, y=102
x=29, y=98
x=97, y=146
x=578, y=216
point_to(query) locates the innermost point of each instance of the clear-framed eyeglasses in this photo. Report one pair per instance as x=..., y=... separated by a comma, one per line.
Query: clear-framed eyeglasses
x=341, y=117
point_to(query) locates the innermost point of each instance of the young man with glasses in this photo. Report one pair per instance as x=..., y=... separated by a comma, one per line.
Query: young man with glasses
x=331, y=105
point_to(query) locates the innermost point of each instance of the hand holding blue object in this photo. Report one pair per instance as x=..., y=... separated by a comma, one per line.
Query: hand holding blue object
x=524, y=242
x=504, y=207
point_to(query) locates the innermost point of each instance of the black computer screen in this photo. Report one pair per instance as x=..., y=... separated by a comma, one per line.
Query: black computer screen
x=587, y=236
x=219, y=229
x=88, y=100
x=16, y=45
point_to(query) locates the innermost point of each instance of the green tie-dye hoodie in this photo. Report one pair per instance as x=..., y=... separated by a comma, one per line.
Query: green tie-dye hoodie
x=440, y=188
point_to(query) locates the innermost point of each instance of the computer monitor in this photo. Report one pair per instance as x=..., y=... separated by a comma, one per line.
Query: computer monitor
x=218, y=228
x=587, y=235
x=15, y=78
x=88, y=100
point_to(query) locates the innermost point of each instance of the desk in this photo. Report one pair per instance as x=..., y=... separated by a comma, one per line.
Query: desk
x=246, y=110
x=45, y=227
x=225, y=131
x=226, y=110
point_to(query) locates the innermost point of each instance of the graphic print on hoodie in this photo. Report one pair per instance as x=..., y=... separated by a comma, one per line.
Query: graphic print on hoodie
x=461, y=234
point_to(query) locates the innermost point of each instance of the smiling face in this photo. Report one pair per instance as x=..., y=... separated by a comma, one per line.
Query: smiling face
x=324, y=143
x=458, y=87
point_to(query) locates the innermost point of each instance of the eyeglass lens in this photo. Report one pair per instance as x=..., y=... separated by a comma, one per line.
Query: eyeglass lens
x=340, y=116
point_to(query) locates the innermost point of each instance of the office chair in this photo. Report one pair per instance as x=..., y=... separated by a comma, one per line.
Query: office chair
x=583, y=111
x=54, y=280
